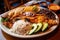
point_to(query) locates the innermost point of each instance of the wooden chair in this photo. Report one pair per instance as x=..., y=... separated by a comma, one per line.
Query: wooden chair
x=10, y=4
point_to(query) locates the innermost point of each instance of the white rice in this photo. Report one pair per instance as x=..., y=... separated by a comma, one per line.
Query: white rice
x=18, y=26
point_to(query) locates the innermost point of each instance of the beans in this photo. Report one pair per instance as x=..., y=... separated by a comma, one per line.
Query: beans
x=48, y=13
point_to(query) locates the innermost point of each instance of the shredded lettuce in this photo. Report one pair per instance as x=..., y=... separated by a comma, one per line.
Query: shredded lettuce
x=4, y=19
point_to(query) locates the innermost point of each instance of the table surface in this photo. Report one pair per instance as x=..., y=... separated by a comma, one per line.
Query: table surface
x=55, y=35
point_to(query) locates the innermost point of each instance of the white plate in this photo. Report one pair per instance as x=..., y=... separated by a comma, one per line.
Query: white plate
x=6, y=30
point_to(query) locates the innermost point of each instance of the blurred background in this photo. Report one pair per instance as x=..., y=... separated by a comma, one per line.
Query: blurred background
x=6, y=5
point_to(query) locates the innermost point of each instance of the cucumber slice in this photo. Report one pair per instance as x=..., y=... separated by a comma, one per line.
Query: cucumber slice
x=34, y=28
x=39, y=26
x=45, y=25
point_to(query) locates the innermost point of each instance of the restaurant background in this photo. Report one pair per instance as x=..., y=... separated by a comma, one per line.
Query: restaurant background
x=3, y=8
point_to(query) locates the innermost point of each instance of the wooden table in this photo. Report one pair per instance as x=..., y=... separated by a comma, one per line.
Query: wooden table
x=55, y=35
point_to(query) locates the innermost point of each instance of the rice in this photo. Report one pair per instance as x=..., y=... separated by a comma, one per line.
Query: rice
x=21, y=27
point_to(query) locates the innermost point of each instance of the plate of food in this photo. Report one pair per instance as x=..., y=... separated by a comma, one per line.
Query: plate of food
x=29, y=22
